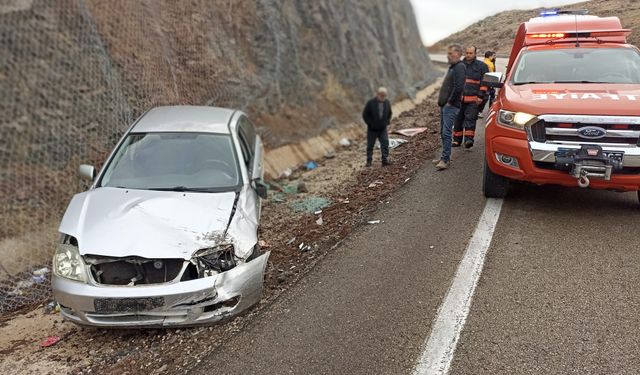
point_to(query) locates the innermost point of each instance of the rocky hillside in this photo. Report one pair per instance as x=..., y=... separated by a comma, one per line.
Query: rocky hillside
x=497, y=32
x=74, y=74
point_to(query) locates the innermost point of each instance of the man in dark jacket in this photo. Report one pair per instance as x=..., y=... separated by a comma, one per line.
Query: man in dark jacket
x=473, y=95
x=449, y=101
x=377, y=115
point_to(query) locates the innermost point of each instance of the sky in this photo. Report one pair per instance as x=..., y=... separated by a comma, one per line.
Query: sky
x=438, y=19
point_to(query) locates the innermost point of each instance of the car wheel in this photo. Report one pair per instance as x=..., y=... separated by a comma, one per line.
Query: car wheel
x=493, y=185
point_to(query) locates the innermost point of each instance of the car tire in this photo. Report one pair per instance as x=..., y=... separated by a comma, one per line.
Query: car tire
x=493, y=185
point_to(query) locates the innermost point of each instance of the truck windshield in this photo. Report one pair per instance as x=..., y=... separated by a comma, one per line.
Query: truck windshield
x=578, y=65
x=174, y=162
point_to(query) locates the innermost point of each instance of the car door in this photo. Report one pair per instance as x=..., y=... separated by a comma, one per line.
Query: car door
x=253, y=153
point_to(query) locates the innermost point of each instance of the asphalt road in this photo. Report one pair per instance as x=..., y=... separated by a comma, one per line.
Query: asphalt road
x=558, y=294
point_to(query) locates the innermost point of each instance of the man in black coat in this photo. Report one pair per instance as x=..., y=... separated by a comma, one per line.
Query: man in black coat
x=377, y=115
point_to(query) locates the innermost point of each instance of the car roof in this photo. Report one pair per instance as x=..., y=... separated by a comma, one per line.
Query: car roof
x=185, y=118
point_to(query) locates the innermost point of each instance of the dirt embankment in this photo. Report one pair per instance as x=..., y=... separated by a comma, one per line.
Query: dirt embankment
x=291, y=230
x=497, y=32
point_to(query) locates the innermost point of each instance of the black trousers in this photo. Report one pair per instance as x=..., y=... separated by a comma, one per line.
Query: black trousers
x=383, y=137
x=465, y=125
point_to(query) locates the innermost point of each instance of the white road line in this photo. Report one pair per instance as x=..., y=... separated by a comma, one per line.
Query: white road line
x=441, y=345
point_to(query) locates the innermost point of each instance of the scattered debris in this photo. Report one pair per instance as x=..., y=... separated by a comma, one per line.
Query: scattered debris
x=431, y=247
x=50, y=341
x=317, y=212
x=291, y=241
x=275, y=186
x=39, y=279
x=395, y=142
x=304, y=247
x=286, y=173
x=407, y=180
x=375, y=183
x=319, y=221
x=373, y=222
x=410, y=132
x=41, y=272
x=345, y=142
x=52, y=308
x=310, y=204
x=264, y=244
x=302, y=187
x=311, y=165
x=330, y=154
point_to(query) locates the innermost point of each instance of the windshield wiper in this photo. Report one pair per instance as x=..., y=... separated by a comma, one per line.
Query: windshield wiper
x=577, y=82
x=184, y=189
x=531, y=83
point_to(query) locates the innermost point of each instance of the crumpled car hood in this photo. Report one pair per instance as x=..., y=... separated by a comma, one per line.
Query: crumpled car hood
x=155, y=224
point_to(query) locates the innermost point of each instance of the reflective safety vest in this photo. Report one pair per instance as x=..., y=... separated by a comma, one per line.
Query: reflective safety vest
x=472, y=90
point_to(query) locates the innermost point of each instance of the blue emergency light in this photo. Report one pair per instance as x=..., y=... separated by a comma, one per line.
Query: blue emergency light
x=548, y=13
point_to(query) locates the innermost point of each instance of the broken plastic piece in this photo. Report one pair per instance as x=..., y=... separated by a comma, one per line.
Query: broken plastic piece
x=41, y=271
x=410, y=132
x=374, y=221
x=319, y=221
x=375, y=183
x=291, y=241
x=49, y=341
x=311, y=165
x=395, y=142
x=345, y=142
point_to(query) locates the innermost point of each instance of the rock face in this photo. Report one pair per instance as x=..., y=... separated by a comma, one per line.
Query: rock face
x=74, y=74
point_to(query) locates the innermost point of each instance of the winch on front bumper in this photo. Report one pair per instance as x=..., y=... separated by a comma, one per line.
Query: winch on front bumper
x=590, y=161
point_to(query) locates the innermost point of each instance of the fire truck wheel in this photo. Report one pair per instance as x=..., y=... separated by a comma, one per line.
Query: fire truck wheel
x=493, y=185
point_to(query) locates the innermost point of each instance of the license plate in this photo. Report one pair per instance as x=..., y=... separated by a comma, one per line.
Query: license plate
x=127, y=305
x=615, y=155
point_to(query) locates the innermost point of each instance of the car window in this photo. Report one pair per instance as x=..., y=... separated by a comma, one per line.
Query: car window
x=580, y=65
x=166, y=160
x=247, y=137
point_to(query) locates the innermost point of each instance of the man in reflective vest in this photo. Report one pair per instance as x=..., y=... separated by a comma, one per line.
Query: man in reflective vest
x=473, y=95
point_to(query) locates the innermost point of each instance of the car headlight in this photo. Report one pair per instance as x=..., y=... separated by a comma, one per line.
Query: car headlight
x=516, y=120
x=217, y=259
x=68, y=263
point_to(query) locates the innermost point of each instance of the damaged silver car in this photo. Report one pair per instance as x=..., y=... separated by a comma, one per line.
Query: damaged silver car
x=167, y=233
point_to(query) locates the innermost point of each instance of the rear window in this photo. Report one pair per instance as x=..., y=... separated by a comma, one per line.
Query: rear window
x=578, y=65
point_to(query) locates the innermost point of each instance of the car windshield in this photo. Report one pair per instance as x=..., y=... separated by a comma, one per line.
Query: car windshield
x=579, y=65
x=174, y=161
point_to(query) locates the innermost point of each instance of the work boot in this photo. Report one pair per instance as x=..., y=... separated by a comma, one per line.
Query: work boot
x=442, y=165
x=468, y=144
x=386, y=163
x=455, y=144
x=435, y=161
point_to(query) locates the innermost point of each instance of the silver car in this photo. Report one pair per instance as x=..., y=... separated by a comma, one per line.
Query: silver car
x=167, y=233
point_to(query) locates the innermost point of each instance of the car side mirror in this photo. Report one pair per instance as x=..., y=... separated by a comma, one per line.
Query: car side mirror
x=493, y=80
x=261, y=188
x=87, y=172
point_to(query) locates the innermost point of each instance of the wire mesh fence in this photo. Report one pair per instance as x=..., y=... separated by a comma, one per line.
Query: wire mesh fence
x=65, y=99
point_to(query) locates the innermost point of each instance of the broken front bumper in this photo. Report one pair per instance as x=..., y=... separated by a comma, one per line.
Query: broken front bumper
x=195, y=302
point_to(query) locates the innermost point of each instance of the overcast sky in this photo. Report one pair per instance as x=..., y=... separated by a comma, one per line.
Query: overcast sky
x=440, y=18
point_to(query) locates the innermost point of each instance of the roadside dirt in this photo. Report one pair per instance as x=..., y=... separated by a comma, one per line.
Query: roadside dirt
x=290, y=230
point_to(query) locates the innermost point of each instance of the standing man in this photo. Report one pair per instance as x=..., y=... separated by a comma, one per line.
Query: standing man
x=449, y=101
x=490, y=61
x=377, y=115
x=472, y=96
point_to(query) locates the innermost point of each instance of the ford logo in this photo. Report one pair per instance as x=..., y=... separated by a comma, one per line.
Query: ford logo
x=592, y=132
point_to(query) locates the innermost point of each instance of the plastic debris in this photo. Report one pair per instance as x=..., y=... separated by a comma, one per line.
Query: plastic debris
x=52, y=308
x=410, y=132
x=407, y=180
x=375, y=183
x=39, y=279
x=330, y=154
x=291, y=241
x=394, y=142
x=317, y=212
x=373, y=222
x=431, y=247
x=286, y=173
x=311, y=165
x=304, y=247
x=50, y=341
x=310, y=204
x=320, y=221
x=345, y=142
x=41, y=271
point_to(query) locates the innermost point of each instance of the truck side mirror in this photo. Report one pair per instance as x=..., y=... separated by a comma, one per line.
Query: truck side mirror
x=87, y=172
x=493, y=80
x=260, y=188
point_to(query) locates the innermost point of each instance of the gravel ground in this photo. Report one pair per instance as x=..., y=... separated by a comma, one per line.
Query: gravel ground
x=354, y=192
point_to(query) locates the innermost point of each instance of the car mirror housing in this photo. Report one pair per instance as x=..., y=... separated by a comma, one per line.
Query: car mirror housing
x=87, y=172
x=261, y=188
x=493, y=80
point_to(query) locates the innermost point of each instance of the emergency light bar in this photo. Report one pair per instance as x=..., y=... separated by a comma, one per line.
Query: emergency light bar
x=581, y=34
x=557, y=12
